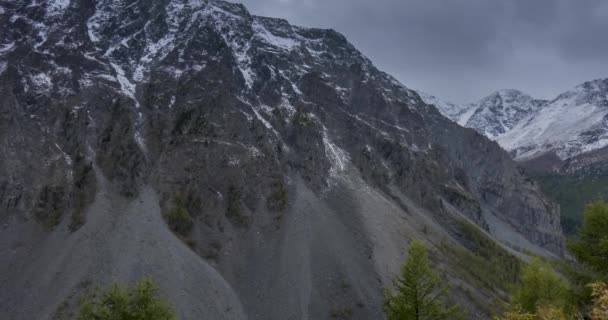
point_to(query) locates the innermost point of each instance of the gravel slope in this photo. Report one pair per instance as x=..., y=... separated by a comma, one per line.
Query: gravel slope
x=122, y=241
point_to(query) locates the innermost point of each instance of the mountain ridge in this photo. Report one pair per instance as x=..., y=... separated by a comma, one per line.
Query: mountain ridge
x=561, y=143
x=531, y=128
x=303, y=169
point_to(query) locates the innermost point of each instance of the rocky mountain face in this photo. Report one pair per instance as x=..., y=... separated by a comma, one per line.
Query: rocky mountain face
x=254, y=169
x=561, y=142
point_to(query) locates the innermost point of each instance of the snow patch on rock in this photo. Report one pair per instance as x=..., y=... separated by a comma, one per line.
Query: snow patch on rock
x=127, y=87
x=41, y=81
x=276, y=41
x=57, y=7
x=337, y=157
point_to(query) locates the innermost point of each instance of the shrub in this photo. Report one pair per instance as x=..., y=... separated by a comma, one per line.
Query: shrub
x=179, y=220
x=277, y=201
x=600, y=301
x=233, y=210
x=543, y=313
x=120, y=303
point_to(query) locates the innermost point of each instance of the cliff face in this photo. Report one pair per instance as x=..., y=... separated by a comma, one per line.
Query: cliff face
x=303, y=168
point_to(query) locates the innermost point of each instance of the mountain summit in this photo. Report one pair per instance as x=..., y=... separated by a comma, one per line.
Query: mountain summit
x=254, y=169
x=493, y=115
x=573, y=123
x=501, y=111
x=567, y=126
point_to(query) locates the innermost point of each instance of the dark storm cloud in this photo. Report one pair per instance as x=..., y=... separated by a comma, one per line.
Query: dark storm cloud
x=462, y=50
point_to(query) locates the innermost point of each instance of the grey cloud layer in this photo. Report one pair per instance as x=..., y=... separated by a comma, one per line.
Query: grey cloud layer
x=462, y=50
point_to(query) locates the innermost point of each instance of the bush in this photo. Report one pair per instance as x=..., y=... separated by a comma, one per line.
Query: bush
x=178, y=218
x=120, y=303
x=50, y=206
x=600, y=301
x=277, y=201
x=179, y=221
x=543, y=313
x=234, y=211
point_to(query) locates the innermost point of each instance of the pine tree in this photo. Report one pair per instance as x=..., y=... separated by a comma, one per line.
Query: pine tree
x=541, y=295
x=591, y=244
x=418, y=292
x=539, y=286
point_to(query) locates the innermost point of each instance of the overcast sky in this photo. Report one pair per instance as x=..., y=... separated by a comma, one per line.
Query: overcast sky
x=462, y=50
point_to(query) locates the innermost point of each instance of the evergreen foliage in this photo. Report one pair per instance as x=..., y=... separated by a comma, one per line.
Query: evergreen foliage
x=591, y=243
x=418, y=291
x=539, y=287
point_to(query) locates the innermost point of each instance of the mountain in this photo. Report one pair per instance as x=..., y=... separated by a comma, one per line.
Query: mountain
x=562, y=142
x=568, y=126
x=493, y=115
x=563, y=146
x=457, y=112
x=498, y=113
x=254, y=169
x=572, y=124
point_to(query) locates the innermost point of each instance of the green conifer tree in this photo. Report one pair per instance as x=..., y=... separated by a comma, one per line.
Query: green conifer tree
x=539, y=287
x=418, y=292
x=591, y=243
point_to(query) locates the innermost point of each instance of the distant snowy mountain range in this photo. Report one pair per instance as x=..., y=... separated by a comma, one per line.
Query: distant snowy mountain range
x=572, y=124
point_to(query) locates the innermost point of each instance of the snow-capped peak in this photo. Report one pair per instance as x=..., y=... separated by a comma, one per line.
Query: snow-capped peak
x=499, y=112
x=493, y=115
x=574, y=123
